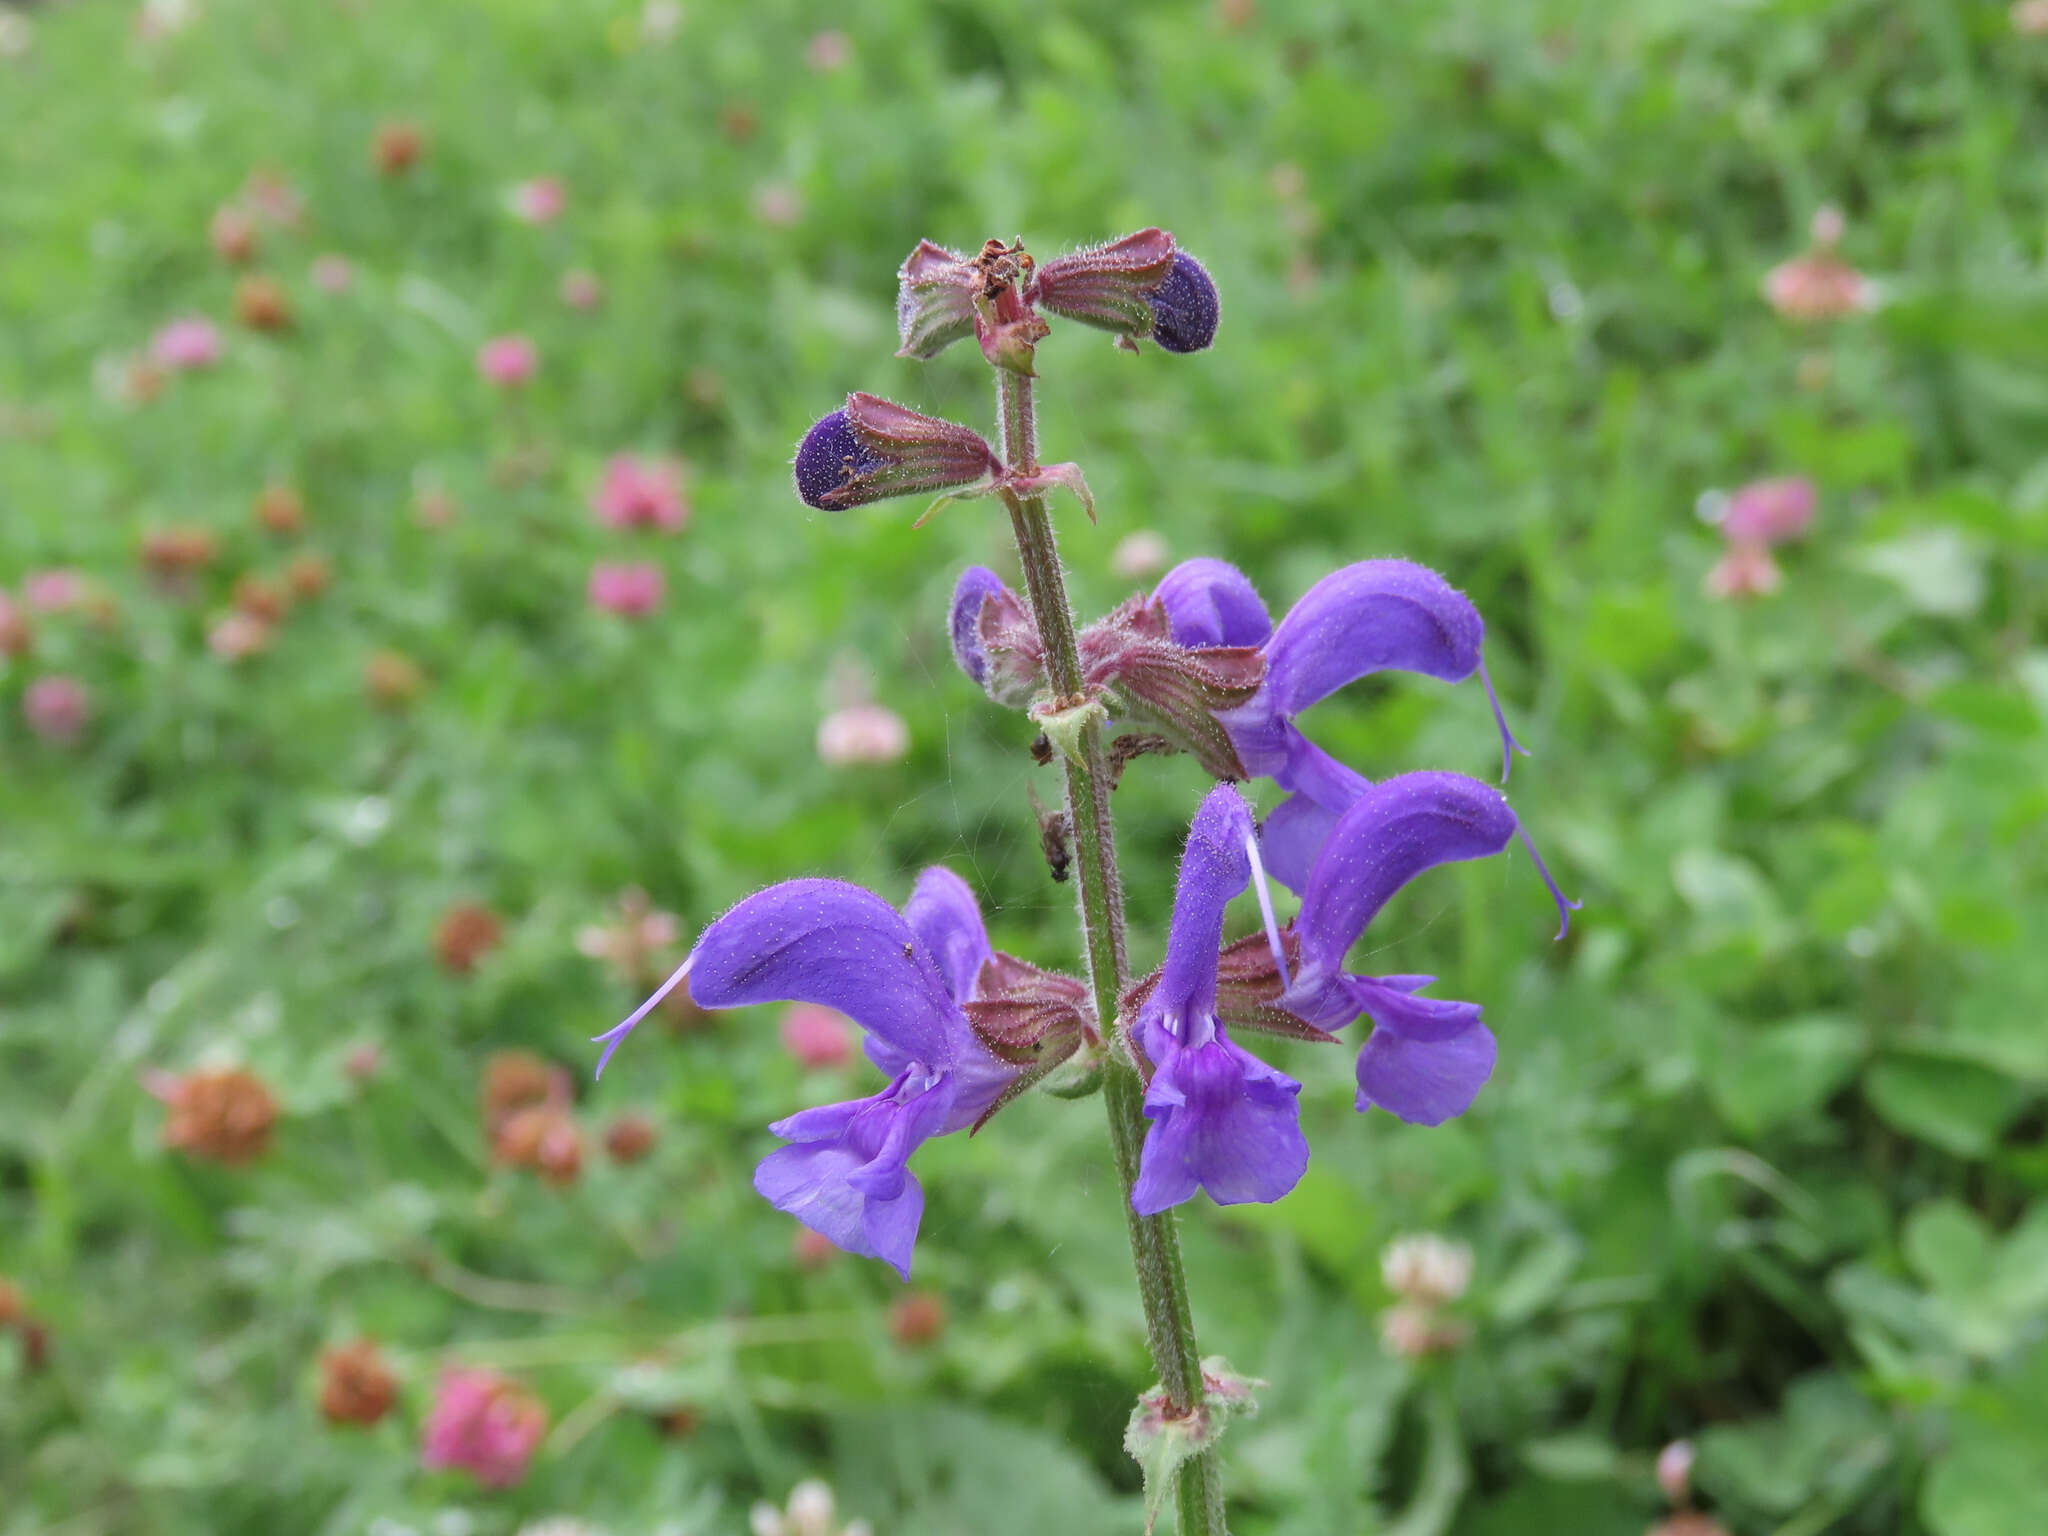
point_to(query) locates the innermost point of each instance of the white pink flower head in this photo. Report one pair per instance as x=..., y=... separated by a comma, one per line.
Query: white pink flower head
x=630, y=589
x=510, y=362
x=641, y=492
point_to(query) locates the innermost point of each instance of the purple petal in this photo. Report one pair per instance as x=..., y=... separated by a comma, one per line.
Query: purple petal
x=1367, y=617
x=824, y=941
x=809, y=1182
x=848, y=1176
x=1424, y=1082
x=976, y=586
x=1210, y=603
x=1185, y=307
x=944, y=915
x=1222, y=1121
x=1392, y=833
x=1291, y=836
x=1390, y=1002
x=1214, y=868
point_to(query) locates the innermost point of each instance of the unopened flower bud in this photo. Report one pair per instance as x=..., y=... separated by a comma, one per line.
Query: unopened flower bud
x=1109, y=286
x=465, y=934
x=934, y=300
x=994, y=640
x=280, y=509
x=1674, y=1471
x=262, y=304
x=917, y=1320
x=871, y=450
x=629, y=1138
x=356, y=1387
x=223, y=1116
x=1140, y=287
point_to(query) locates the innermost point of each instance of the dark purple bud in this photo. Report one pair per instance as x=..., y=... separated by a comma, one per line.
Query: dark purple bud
x=872, y=449
x=934, y=300
x=994, y=640
x=1185, y=307
x=1108, y=286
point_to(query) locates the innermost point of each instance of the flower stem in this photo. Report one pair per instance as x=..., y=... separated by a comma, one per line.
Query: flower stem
x=1155, y=1246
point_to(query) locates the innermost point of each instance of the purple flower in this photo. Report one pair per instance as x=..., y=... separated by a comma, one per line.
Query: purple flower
x=1222, y=1120
x=871, y=449
x=903, y=979
x=1365, y=618
x=1427, y=1057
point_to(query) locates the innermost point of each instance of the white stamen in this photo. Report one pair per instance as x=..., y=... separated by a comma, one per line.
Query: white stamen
x=1251, y=846
x=615, y=1037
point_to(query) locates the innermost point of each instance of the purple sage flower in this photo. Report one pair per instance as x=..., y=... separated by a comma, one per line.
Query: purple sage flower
x=870, y=450
x=1222, y=1120
x=902, y=978
x=1367, y=617
x=1427, y=1057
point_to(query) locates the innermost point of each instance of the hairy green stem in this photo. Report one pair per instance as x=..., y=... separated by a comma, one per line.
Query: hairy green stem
x=1155, y=1246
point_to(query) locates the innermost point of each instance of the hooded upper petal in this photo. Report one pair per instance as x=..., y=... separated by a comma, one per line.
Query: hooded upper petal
x=977, y=584
x=824, y=941
x=1393, y=832
x=944, y=915
x=1365, y=618
x=1211, y=603
x=1215, y=867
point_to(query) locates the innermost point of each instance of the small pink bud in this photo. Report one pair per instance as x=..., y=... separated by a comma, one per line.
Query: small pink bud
x=189, y=342
x=811, y=1250
x=1818, y=286
x=57, y=709
x=509, y=362
x=1139, y=555
x=539, y=201
x=816, y=1036
x=639, y=492
x=331, y=273
x=1674, y=1471
x=53, y=591
x=581, y=289
x=1769, y=512
x=1746, y=570
x=17, y=635
x=233, y=234
x=777, y=204
x=2030, y=18
x=632, y=590
x=829, y=52
x=238, y=636
x=862, y=733
x=482, y=1424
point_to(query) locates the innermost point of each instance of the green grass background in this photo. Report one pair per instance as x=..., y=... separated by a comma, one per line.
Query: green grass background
x=1764, y=1161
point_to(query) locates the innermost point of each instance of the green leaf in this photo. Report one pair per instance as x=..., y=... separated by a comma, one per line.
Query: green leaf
x=1783, y=1072
x=1955, y=1105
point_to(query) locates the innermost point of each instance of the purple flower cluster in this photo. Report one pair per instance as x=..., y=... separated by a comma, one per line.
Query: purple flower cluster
x=1198, y=666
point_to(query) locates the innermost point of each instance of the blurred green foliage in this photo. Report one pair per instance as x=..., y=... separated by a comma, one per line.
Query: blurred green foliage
x=1764, y=1160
